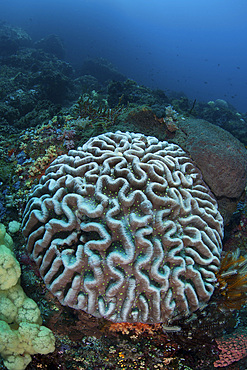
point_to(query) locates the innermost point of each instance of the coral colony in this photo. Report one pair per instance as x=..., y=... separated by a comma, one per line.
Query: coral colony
x=125, y=228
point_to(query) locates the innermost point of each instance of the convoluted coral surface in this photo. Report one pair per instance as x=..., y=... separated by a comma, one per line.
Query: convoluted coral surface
x=125, y=228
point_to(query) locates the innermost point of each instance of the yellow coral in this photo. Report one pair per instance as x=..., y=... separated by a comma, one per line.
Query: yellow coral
x=39, y=166
x=137, y=328
x=10, y=270
x=21, y=330
x=5, y=239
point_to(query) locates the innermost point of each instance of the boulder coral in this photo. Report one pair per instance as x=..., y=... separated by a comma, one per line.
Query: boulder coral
x=126, y=229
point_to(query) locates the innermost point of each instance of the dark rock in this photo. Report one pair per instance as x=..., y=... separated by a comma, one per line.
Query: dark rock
x=52, y=44
x=221, y=158
x=102, y=70
x=12, y=38
x=129, y=92
x=88, y=83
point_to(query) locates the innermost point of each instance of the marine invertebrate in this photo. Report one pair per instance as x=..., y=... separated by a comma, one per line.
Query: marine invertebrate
x=232, y=280
x=170, y=120
x=98, y=114
x=125, y=228
x=233, y=348
x=136, y=328
x=21, y=330
x=41, y=163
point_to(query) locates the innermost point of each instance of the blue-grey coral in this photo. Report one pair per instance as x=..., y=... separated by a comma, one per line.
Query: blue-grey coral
x=125, y=228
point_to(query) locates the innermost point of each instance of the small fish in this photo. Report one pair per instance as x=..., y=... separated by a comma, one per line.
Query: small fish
x=171, y=328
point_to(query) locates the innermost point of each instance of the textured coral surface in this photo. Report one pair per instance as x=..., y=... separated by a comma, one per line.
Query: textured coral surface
x=125, y=228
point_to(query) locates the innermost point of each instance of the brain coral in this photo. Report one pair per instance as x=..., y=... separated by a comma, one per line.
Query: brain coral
x=125, y=228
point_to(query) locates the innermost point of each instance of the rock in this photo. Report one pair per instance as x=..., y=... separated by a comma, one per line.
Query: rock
x=12, y=39
x=52, y=44
x=101, y=69
x=221, y=157
x=220, y=103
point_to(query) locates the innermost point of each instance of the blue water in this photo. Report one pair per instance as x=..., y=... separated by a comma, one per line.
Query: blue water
x=197, y=47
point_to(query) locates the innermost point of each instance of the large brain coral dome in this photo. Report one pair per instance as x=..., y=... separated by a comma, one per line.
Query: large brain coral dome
x=125, y=228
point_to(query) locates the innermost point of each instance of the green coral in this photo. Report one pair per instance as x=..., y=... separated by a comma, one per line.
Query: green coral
x=21, y=330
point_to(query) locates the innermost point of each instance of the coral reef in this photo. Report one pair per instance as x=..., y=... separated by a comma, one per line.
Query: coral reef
x=37, y=126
